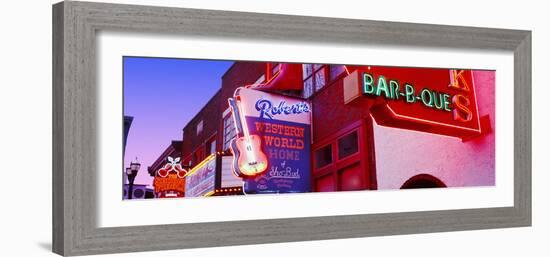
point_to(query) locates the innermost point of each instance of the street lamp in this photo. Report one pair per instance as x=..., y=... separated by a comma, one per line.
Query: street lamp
x=132, y=172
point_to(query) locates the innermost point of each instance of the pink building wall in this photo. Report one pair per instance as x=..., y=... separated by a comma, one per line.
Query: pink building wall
x=402, y=154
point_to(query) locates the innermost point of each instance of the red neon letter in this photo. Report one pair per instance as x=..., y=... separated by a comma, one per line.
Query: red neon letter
x=458, y=81
x=461, y=111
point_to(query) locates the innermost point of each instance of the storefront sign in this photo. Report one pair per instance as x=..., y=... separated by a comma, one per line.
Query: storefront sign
x=439, y=101
x=268, y=110
x=284, y=126
x=169, y=183
x=170, y=179
x=201, y=179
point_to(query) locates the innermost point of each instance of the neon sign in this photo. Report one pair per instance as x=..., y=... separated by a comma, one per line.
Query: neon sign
x=392, y=91
x=173, y=165
x=282, y=126
x=249, y=158
x=201, y=179
x=440, y=101
x=268, y=110
x=170, y=179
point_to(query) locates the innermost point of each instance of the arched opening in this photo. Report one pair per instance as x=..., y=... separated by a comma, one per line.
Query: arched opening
x=423, y=181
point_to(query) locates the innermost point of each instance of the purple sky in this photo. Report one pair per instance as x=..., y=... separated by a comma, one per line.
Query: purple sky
x=163, y=95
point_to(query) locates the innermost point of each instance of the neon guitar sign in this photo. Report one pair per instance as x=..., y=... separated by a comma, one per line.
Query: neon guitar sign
x=248, y=158
x=172, y=165
x=275, y=145
x=169, y=181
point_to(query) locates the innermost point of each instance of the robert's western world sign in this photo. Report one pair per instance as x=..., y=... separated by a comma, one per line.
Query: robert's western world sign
x=272, y=149
x=440, y=101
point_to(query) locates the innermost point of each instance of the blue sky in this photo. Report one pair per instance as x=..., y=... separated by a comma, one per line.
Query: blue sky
x=163, y=94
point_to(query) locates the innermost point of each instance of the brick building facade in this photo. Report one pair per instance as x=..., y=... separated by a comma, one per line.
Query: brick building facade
x=348, y=147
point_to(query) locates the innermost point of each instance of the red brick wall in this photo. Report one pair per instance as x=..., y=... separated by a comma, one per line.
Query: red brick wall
x=210, y=116
x=240, y=74
x=330, y=114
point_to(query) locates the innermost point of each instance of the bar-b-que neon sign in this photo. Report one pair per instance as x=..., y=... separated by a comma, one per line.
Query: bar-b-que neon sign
x=440, y=101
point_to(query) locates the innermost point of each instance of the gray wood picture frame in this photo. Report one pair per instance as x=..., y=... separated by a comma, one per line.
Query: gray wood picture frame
x=75, y=25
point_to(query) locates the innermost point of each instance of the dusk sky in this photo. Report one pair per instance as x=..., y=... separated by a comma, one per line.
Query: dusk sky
x=163, y=95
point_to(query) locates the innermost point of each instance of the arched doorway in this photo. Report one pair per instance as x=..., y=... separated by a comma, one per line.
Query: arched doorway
x=423, y=181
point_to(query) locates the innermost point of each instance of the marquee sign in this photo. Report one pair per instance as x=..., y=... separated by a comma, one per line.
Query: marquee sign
x=282, y=124
x=440, y=101
x=201, y=179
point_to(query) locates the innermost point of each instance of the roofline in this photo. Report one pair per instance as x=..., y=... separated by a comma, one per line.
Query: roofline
x=230, y=68
x=218, y=93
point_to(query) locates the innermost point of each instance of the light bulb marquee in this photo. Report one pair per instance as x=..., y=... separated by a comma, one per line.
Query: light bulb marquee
x=201, y=179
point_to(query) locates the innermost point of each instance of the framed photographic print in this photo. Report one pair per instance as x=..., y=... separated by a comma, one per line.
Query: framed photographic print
x=185, y=128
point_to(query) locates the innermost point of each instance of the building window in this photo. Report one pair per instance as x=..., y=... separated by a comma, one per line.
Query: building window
x=338, y=166
x=319, y=80
x=348, y=145
x=228, y=130
x=314, y=78
x=308, y=88
x=212, y=146
x=323, y=156
x=199, y=127
x=335, y=70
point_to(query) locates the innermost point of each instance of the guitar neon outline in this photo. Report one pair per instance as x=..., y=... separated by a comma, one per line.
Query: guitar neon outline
x=248, y=158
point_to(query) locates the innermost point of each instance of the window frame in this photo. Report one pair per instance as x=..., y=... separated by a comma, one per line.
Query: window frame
x=230, y=134
x=320, y=68
x=362, y=157
x=337, y=145
x=337, y=76
x=200, y=127
x=210, y=144
x=331, y=156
